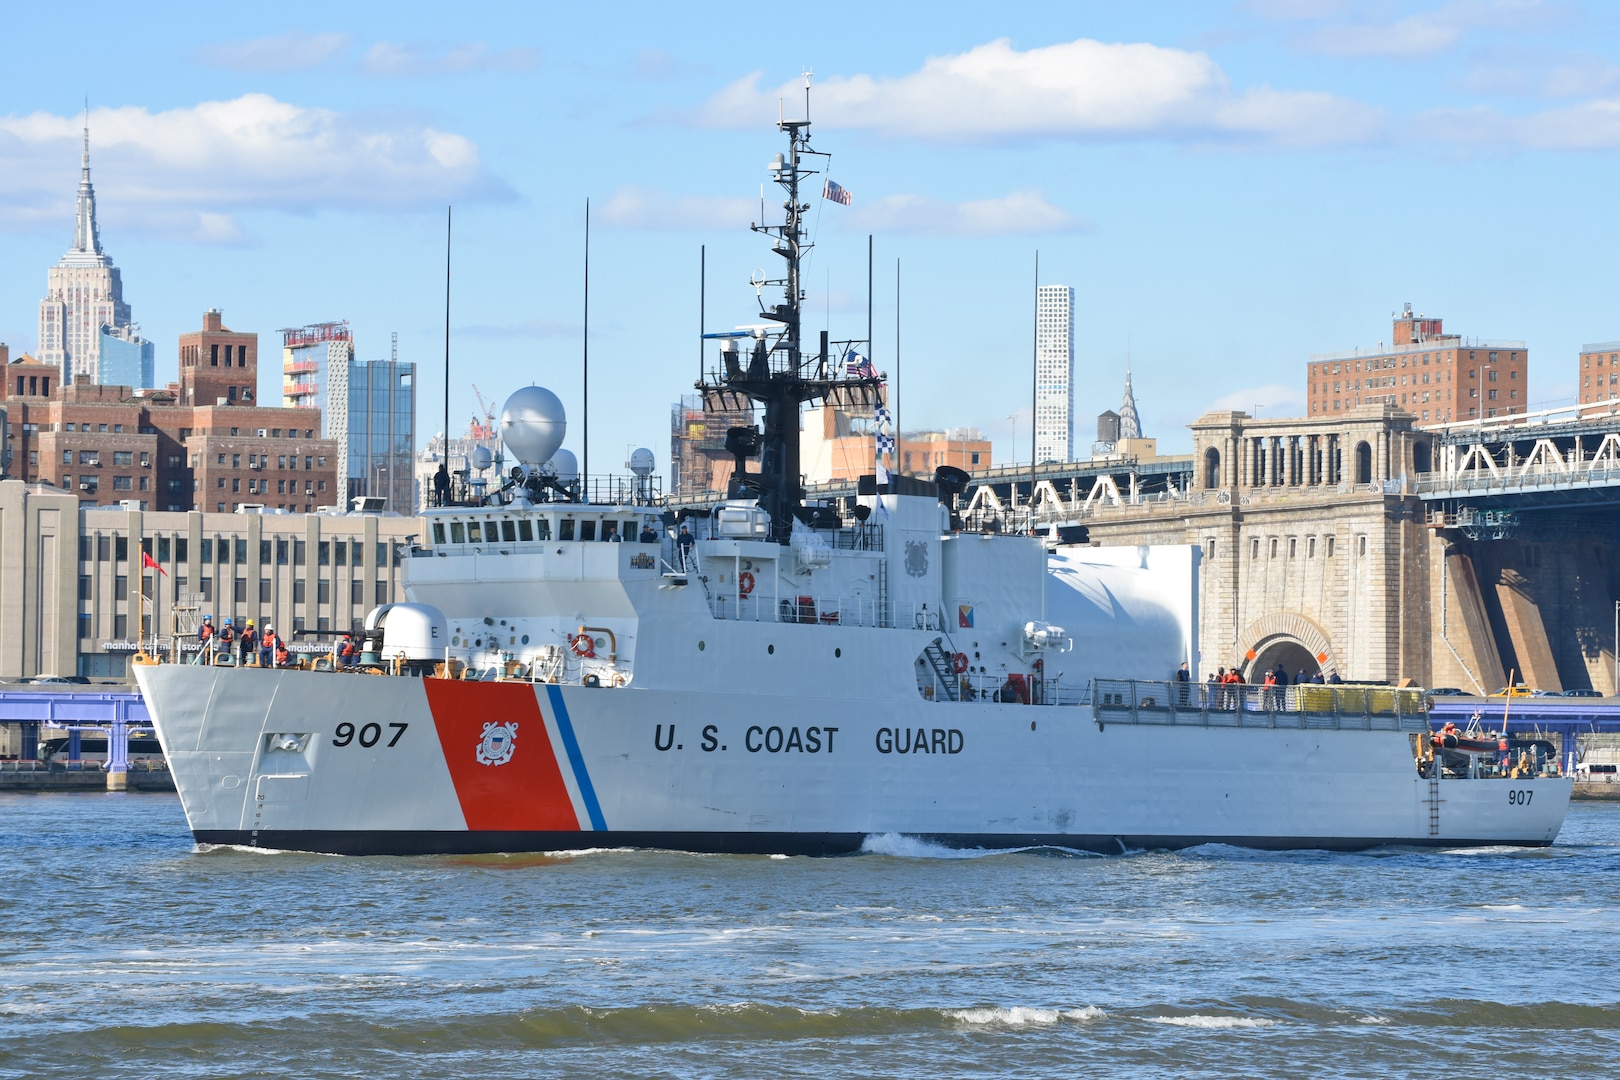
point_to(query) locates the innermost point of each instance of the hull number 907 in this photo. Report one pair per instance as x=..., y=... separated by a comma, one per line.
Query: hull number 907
x=368, y=735
x=1520, y=797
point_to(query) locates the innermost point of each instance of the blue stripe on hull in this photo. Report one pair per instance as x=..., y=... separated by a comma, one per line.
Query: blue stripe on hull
x=391, y=842
x=575, y=759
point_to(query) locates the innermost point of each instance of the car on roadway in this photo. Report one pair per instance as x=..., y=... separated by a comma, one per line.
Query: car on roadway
x=1519, y=690
x=1446, y=691
x=1582, y=692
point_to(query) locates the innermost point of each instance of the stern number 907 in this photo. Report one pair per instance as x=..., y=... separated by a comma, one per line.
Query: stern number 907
x=368, y=734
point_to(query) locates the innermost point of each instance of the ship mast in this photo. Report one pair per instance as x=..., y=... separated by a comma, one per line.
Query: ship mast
x=768, y=365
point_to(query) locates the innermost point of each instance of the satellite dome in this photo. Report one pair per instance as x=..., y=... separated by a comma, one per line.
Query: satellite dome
x=533, y=424
x=482, y=458
x=564, y=466
x=641, y=462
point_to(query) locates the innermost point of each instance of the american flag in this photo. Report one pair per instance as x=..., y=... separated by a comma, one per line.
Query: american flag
x=836, y=192
x=858, y=366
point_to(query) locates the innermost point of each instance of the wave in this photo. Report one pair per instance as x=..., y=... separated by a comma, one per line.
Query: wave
x=904, y=846
x=1212, y=1022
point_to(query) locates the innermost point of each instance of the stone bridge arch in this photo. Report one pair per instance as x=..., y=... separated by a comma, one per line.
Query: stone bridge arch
x=1291, y=638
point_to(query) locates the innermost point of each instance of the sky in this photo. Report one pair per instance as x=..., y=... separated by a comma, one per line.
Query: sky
x=1228, y=187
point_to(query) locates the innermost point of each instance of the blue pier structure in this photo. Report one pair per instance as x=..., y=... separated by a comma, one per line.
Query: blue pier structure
x=116, y=714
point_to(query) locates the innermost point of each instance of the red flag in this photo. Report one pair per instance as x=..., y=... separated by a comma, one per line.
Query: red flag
x=149, y=563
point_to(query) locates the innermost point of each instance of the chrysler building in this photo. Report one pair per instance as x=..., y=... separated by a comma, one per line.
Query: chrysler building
x=83, y=295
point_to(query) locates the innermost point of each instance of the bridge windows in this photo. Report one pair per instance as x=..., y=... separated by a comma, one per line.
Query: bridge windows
x=1422, y=457
x=1361, y=546
x=1273, y=552
x=1212, y=468
x=1363, y=463
x=1310, y=548
x=1330, y=547
x=1254, y=548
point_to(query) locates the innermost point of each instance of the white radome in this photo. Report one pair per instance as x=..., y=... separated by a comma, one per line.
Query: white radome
x=533, y=423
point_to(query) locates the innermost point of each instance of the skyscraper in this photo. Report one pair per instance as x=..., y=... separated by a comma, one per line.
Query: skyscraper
x=369, y=409
x=1054, y=373
x=84, y=293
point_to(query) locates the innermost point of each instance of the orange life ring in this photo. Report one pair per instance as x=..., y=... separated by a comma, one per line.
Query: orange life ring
x=583, y=645
x=745, y=583
x=959, y=662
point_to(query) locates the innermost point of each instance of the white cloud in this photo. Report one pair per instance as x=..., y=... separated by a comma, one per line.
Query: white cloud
x=633, y=207
x=1022, y=213
x=187, y=171
x=282, y=52
x=1273, y=400
x=414, y=61
x=1078, y=90
x=1586, y=125
x=1428, y=32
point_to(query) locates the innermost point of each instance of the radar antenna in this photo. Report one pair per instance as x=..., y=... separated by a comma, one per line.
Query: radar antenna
x=776, y=373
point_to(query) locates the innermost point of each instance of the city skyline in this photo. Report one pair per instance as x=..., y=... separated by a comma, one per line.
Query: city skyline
x=1230, y=189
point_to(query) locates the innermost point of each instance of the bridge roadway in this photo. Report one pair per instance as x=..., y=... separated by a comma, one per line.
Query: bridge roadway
x=1000, y=498
x=1556, y=458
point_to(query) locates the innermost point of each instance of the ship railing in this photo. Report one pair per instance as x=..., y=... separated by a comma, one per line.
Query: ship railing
x=1366, y=708
x=825, y=611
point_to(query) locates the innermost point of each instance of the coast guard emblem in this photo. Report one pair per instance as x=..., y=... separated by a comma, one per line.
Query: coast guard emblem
x=916, y=558
x=497, y=744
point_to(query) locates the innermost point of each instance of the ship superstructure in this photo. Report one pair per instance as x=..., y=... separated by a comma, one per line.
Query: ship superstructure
x=581, y=666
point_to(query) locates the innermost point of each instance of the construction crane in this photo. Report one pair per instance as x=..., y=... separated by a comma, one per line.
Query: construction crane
x=482, y=429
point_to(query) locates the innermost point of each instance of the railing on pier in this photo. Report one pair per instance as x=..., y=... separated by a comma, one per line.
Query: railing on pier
x=1365, y=708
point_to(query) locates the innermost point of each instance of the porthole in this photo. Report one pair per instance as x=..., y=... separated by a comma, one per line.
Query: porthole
x=455, y=640
x=701, y=646
x=525, y=639
x=770, y=649
x=838, y=652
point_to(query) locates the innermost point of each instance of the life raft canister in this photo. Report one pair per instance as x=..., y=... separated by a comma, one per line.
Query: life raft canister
x=745, y=583
x=583, y=645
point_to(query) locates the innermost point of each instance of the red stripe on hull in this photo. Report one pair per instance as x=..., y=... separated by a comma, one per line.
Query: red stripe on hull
x=524, y=792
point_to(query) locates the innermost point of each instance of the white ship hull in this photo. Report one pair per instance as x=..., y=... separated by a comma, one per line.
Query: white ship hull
x=257, y=759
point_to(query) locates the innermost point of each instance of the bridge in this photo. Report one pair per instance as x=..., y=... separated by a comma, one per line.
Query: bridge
x=116, y=714
x=1543, y=460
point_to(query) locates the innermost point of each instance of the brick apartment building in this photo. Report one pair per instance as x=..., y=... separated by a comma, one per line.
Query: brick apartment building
x=202, y=444
x=1437, y=377
x=1599, y=372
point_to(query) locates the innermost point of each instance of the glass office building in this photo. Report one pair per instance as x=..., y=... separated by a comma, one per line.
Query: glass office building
x=381, y=411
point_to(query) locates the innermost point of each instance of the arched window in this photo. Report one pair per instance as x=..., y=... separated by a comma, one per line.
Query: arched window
x=1212, y=468
x=1363, y=463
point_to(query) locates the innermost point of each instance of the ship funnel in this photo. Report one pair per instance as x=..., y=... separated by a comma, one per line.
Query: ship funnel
x=533, y=424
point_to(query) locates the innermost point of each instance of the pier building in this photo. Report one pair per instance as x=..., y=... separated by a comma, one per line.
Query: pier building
x=75, y=597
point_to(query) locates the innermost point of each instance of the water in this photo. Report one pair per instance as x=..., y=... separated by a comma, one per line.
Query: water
x=124, y=953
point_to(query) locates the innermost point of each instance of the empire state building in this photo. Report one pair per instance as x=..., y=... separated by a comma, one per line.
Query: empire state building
x=84, y=305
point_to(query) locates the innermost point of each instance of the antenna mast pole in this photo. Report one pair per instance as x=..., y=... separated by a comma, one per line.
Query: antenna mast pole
x=446, y=447
x=585, y=365
x=1034, y=388
x=899, y=458
x=703, y=297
